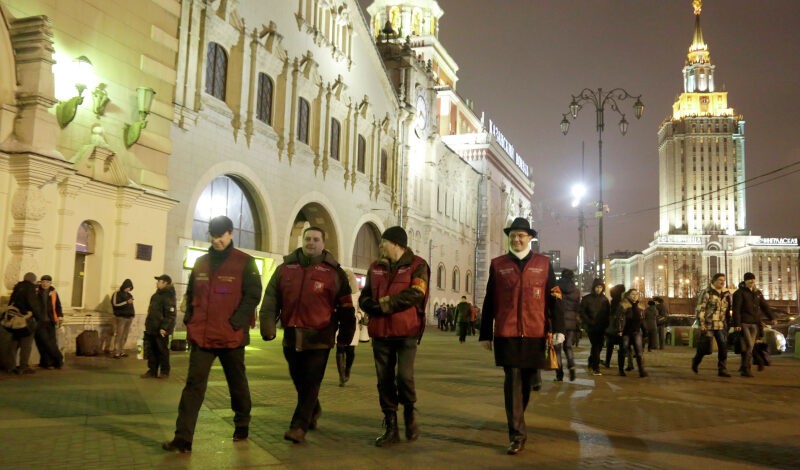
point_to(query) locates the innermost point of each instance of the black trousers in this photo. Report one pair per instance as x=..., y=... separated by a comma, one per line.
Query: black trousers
x=517, y=393
x=157, y=354
x=45, y=338
x=194, y=391
x=307, y=369
x=395, y=388
x=596, y=339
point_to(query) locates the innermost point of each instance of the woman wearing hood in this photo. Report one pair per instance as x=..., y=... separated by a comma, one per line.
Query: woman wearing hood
x=629, y=326
x=122, y=303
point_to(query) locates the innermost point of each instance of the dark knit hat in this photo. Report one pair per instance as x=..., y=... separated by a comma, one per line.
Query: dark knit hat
x=567, y=274
x=30, y=277
x=396, y=235
x=46, y=277
x=748, y=276
x=219, y=225
x=520, y=223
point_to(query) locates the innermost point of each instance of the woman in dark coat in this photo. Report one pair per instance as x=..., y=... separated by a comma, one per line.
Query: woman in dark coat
x=629, y=325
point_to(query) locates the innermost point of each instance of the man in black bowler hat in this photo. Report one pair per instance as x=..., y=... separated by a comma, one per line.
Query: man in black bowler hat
x=521, y=308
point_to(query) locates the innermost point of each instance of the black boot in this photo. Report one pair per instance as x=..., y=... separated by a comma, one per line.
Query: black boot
x=391, y=435
x=410, y=419
x=640, y=364
x=340, y=365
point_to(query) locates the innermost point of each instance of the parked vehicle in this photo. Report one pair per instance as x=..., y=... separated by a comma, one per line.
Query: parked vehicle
x=678, y=329
x=794, y=328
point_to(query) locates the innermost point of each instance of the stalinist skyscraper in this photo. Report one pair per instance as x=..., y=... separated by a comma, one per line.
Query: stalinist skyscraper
x=702, y=215
x=701, y=153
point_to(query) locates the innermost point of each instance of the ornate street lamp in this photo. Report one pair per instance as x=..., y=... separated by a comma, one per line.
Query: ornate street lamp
x=600, y=100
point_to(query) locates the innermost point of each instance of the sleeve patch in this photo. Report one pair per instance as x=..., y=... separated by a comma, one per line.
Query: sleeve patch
x=419, y=284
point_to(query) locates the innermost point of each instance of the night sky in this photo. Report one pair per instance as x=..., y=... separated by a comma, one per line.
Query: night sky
x=521, y=60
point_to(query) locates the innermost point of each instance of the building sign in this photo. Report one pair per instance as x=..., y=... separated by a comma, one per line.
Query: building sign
x=777, y=241
x=506, y=145
x=680, y=240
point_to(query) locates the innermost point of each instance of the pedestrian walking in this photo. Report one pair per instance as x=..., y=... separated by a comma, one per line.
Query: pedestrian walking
x=594, y=311
x=521, y=308
x=749, y=311
x=570, y=305
x=159, y=324
x=651, y=325
x=711, y=311
x=463, y=318
x=221, y=298
x=310, y=294
x=23, y=296
x=394, y=297
x=629, y=318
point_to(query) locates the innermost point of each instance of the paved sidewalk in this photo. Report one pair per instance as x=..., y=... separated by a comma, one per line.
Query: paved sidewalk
x=97, y=413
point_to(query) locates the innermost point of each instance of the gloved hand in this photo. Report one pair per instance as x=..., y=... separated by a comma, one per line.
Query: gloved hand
x=372, y=307
x=487, y=345
x=558, y=338
x=268, y=330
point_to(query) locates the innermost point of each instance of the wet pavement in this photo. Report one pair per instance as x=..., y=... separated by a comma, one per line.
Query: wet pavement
x=97, y=413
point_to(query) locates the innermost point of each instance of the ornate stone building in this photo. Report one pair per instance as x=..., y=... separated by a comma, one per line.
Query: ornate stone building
x=82, y=200
x=703, y=227
x=279, y=114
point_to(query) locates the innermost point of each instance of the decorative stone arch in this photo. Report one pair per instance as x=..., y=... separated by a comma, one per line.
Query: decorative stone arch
x=365, y=245
x=314, y=209
x=249, y=181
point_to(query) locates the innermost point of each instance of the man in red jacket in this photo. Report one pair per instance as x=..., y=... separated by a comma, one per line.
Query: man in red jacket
x=311, y=295
x=394, y=297
x=221, y=299
x=521, y=306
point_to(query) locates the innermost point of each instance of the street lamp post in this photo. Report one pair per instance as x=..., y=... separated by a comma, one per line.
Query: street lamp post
x=600, y=100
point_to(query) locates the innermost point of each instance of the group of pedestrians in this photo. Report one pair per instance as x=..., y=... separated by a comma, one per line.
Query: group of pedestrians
x=311, y=296
x=40, y=315
x=745, y=311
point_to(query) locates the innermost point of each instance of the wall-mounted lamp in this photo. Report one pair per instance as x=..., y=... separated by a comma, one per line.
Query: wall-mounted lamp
x=80, y=73
x=144, y=99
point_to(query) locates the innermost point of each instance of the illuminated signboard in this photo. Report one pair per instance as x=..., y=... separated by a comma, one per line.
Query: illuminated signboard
x=778, y=241
x=264, y=265
x=506, y=145
x=680, y=239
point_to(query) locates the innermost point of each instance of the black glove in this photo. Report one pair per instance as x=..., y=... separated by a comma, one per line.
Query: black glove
x=371, y=307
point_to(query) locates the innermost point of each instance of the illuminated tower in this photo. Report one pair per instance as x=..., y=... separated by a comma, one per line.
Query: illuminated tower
x=701, y=153
x=417, y=20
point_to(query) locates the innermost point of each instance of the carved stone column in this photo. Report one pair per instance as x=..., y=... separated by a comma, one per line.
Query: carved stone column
x=35, y=129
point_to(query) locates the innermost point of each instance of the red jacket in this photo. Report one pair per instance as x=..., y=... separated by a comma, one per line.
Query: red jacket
x=517, y=315
x=215, y=297
x=406, y=322
x=309, y=295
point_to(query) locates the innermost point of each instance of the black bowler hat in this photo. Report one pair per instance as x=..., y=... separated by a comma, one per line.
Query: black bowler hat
x=220, y=225
x=520, y=223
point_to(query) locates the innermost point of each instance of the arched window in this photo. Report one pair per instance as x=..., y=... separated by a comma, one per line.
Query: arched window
x=362, y=154
x=336, y=130
x=440, y=277
x=456, y=280
x=366, y=249
x=302, y=120
x=264, y=99
x=216, y=70
x=384, y=167
x=226, y=195
x=468, y=283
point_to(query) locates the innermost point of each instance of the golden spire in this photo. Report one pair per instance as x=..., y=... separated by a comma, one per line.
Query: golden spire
x=698, y=51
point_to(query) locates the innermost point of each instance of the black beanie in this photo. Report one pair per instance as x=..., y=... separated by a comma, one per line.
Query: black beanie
x=396, y=235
